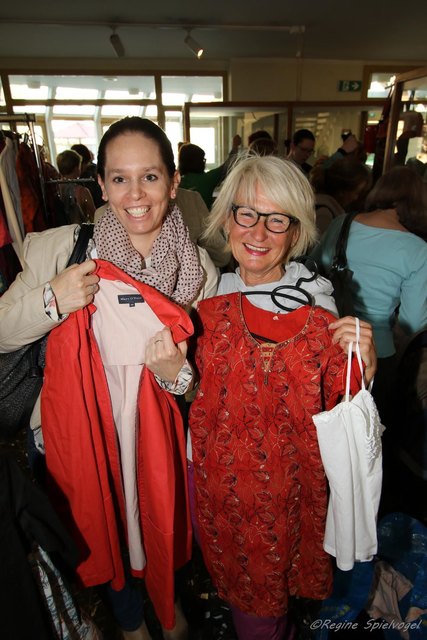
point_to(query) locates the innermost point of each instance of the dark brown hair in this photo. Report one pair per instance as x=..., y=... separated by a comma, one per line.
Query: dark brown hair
x=402, y=189
x=263, y=147
x=342, y=177
x=191, y=159
x=67, y=161
x=147, y=128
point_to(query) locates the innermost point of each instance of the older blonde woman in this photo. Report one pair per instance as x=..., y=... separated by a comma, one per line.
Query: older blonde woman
x=260, y=488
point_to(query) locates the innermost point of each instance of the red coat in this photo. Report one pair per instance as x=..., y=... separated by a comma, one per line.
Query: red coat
x=83, y=461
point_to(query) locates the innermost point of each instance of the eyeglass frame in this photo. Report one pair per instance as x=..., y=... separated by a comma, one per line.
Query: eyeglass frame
x=235, y=207
x=305, y=150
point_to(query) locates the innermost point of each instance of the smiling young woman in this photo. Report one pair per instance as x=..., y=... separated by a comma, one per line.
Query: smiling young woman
x=120, y=364
x=138, y=187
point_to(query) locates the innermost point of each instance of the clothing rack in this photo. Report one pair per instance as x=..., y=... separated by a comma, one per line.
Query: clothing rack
x=29, y=119
x=70, y=180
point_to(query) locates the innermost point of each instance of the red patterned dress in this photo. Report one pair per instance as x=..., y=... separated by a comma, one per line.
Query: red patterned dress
x=261, y=493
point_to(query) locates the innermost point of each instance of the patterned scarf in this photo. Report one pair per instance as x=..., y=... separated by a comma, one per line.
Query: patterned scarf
x=175, y=269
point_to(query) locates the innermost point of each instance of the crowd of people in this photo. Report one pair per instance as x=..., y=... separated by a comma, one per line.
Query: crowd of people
x=183, y=296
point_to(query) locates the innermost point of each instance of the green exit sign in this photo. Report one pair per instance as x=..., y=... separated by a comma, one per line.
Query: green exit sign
x=349, y=85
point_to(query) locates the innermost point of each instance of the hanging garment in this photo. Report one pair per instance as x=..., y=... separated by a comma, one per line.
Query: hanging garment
x=11, y=196
x=34, y=217
x=72, y=210
x=350, y=445
x=5, y=237
x=260, y=488
x=26, y=517
x=86, y=473
x=66, y=619
x=10, y=266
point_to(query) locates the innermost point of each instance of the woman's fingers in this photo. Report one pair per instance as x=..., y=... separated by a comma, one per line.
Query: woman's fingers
x=163, y=357
x=345, y=332
x=75, y=287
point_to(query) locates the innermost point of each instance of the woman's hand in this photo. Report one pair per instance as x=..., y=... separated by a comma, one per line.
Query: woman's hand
x=163, y=357
x=345, y=332
x=75, y=287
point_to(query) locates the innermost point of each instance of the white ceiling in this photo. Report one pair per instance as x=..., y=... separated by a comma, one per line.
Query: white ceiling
x=334, y=29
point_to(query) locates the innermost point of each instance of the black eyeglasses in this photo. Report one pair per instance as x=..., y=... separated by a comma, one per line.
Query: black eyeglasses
x=305, y=150
x=274, y=222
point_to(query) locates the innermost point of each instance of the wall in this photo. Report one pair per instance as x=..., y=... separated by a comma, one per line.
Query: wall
x=295, y=79
x=260, y=79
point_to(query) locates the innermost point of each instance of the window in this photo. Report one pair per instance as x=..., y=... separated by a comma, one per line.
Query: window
x=176, y=90
x=79, y=108
x=69, y=132
x=377, y=80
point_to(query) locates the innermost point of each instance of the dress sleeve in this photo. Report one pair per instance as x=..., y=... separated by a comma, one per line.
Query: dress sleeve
x=181, y=383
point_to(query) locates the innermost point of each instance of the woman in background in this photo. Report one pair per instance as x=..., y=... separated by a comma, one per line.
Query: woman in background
x=77, y=199
x=388, y=257
x=339, y=188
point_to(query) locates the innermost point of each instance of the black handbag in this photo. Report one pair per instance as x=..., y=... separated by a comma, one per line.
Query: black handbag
x=21, y=371
x=339, y=274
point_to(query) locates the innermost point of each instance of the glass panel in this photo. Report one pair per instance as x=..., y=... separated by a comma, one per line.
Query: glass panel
x=174, y=98
x=70, y=93
x=150, y=111
x=128, y=87
x=69, y=132
x=228, y=120
x=38, y=132
x=72, y=87
x=2, y=98
x=174, y=130
x=23, y=89
x=176, y=90
x=105, y=124
x=74, y=110
x=205, y=137
x=380, y=84
x=415, y=90
x=329, y=125
x=119, y=111
x=411, y=138
x=33, y=108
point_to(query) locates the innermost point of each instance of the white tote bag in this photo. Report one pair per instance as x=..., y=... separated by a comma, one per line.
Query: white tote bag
x=350, y=446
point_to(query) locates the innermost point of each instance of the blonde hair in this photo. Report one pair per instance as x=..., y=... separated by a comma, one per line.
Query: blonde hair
x=282, y=182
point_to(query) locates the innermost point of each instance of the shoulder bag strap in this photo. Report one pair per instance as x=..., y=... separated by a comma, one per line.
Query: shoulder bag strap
x=340, y=258
x=78, y=254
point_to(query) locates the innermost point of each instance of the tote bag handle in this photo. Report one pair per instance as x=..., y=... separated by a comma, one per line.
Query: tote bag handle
x=359, y=360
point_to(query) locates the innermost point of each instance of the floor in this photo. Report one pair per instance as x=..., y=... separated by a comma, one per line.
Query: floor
x=209, y=617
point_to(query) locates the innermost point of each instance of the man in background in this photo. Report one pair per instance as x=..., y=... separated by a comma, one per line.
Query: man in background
x=302, y=147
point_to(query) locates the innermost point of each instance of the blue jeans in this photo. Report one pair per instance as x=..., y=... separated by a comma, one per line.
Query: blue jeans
x=127, y=605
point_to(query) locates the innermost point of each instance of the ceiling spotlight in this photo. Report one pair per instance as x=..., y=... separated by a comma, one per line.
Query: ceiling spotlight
x=193, y=45
x=117, y=44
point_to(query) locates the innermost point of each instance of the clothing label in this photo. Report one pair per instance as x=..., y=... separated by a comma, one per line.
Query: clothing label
x=131, y=299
